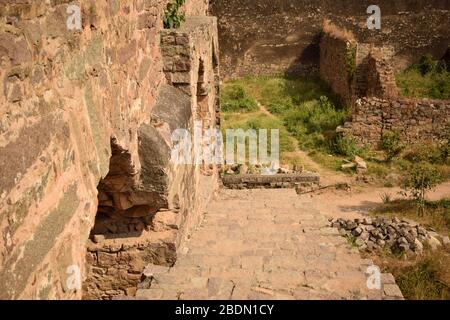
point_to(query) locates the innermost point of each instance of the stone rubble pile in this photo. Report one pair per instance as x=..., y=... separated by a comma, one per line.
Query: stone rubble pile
x=398, y=236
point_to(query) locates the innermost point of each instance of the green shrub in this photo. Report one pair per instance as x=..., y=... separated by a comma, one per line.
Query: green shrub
x=344, y=146
x=172, y=18
x=427, y=79
x=316, y=116
x=427, y=64
x=444, y=146
x=235, y=99
x=391, y=144
x=420, y=178
x=424, y=152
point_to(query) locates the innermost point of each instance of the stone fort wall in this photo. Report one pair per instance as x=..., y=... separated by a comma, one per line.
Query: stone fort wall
x=84, y=132
x=283, y=35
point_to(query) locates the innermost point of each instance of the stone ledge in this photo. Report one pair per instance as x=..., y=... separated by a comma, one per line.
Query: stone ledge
x=249, y=181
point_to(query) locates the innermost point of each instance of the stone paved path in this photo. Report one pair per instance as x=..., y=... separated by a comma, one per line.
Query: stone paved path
x=264, y=244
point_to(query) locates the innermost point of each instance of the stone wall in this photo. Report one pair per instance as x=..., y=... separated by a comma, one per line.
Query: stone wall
x=69, y=100
x=416, y=120
x=356, y=69
x=283, y=35
x=337, y=53
x=255, y=181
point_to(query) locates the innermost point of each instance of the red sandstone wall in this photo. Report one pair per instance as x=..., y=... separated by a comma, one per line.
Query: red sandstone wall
x=64, y=95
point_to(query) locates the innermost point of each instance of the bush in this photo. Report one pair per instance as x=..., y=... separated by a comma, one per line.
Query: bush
x=316, y=116
x=423, y=152
x=391, y=145
x=420, y=178
x=427, y=64
x=427, y=79
x=344, y=146
x=235, y=99
x=444, y=146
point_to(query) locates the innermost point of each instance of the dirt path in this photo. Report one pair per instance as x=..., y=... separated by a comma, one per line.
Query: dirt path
x=357, y=202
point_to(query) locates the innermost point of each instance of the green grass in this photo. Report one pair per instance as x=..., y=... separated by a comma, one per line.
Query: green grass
x=256, y=121
x=425, y=80
x=235, y=98
x=305, y=109
x=306, y=106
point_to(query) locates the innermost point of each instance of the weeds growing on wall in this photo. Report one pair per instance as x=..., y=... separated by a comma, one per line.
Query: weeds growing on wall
x=172, y=17
x=350, y=61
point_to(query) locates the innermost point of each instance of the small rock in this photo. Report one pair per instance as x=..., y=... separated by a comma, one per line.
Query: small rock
x=446, y=241
x=357, y=231
x=359, y=242
x=98, y=238
x=351, y=225
x=243, y=169
x=403, y=247
x=433, y=242
x=361, y=165
x=348, y=166
x=418, y=246
x=364, y=236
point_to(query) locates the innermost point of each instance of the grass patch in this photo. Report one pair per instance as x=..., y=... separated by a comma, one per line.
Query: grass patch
x=425, y=79
x=302, y=108
x=306, y=106
x=424, y=277
x=256, y=121
x=235, y=99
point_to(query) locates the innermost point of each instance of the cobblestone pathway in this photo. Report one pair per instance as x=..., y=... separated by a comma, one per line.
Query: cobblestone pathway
x=264, y=244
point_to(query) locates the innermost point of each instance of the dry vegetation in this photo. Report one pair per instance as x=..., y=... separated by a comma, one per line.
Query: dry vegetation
x=427, y=276
x=336, y=32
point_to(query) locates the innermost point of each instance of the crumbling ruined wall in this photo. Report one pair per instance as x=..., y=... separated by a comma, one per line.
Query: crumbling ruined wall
x=69, y=98
x=416, y=120
x=283, y=35
x=355, y=69
x=363, y=75
x=337, y=57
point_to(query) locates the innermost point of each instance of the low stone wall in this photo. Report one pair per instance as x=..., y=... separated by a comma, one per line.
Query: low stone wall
x=116, y=265
x=416, y=120
x=250, y=181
